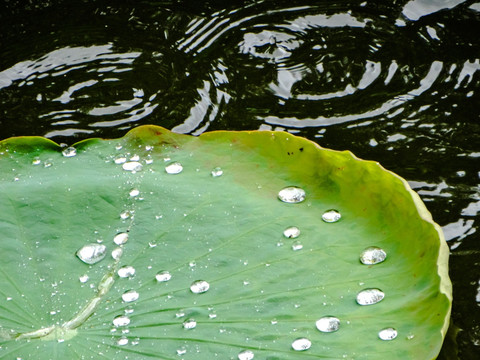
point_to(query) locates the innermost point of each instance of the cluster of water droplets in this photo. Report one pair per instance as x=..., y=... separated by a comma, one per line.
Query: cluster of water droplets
x=372, y=255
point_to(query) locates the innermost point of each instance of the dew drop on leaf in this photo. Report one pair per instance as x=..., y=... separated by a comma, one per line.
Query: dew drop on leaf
x=121, y=320
x=130, y=296
x=132, y=166
x=120, y=238
x=83, y=279
x=126, y=271
x=163, y=276
x=370, y=296
x=217, y=172
x=134, y=192
x=122, y=341
x=117, y=253
x=291, y=232
x=92, y=253
x=292, y=195
x=331, y=216
x=301, y=344
x=69, y=151
x=297, y=245
x=120, y=160
x=174, y=168
x=373, y=255
x=199, y=286
x=328, y=324
x=388, y=334
x=245, y=355
x=36, y=161
x=189, y=324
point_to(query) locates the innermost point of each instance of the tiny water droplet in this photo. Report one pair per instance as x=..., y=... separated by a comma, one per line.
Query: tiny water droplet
x=410, y=336
x=180, y=314
x=130, y=296
x=92, y=253
x=134, y=192
x=291, y=232
x=148, y=147
x=370, y=296
x=122, y=341
x=174, y=168
x=373, y=255
x=36, y=161
x=120, y=160
x=83, y=279
x=132, y=166
x=301, y=344
x=121, y=320
x=47, y=163
x=120, y=238
x=331, y=216
x=297, y=245
x=328, y=324
x=245, y=355
x=163, y=276
x=216, y=172
x=126, y=271
x=292, y=195
x=125, y=215
x=69, y=152
x=199, y=287
x=135, y=158
x=117, y=253
x=181, y=351
x=189, y=324
x=388, y=334
x=118, y=147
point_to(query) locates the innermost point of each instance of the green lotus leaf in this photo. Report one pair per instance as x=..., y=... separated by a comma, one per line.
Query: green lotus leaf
x=167, y=246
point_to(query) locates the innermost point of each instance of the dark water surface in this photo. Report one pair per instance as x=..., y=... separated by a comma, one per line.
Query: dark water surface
x=394, y=81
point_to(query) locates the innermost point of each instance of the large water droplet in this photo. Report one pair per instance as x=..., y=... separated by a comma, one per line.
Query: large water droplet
x=217, y=172
x=331, y=216
x=174, y=168
x=301, y=344
x=199, y=286
x=132, y=166
x=372, y=255
x=292, y=194
x=370, y=296
x=245, y=355
x=126, y=271
x=120, y=160
x=291, y=232
x=121, y=320
x=120, y=238
x=130, y=296
x=189, y=324
x=117, y=253
x=163, y=276
x=388, y=334
x=328, y=324
x=69, y=151
x=92, y=253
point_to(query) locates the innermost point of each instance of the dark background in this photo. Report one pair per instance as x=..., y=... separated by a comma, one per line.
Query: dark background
x=393, y=81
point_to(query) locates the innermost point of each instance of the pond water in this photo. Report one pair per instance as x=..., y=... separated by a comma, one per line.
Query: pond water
x=393, y=81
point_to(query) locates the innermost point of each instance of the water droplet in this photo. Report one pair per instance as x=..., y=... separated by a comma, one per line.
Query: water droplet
x=126, y=271
x=372, y=255
x=118, y=147
x=117, y=253
x=130, y=296
x=292, y=194
x=199, y=286
x=301, y=344
x=245, y=355
x=47, y=163
x=134, y=192
x=83, y=279
x=121, y=320
x=92, y=253
x=135, y=158
x=120, y=160
x=331, y=216
x=122, y=341
x=388, y=334
x=291, y=232
x=328, y=324
x=132, y=166
x=181, y=351
x=69, y=152
x=36, y=161
x=148, y=147
x=370, y=296
x=217, y=172
x=180, y=314
x=297, y=245
x=125, y=215
x=163, y=276
x=174, y=168
x=189, y=324
x=120, y=238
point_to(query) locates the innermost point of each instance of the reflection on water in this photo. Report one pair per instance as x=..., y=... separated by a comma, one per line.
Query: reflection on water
x=397, y=82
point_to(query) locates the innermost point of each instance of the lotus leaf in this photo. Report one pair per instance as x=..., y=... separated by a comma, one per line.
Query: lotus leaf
x=231, y=245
